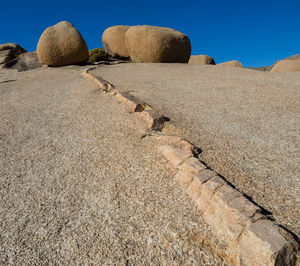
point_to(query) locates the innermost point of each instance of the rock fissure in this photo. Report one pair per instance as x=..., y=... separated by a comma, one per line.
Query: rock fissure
x=216, y=190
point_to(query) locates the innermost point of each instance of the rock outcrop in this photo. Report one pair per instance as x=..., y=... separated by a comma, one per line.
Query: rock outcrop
x=286, y=66
x=150, y=44
x=9, y=51
x=232, y=63
x=113, y=40
x=24, y=62
x=289, y=64
x=61, y=45
x=202, y=60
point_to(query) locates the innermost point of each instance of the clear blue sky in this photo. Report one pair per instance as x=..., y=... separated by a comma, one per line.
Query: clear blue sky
x=257, y=33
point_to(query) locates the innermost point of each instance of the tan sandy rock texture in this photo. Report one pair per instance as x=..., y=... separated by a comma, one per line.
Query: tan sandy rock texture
x=245, y=122
x=202, y=60
x=286, y=65
x=113, y=39
x=150, y=44
x=233, y=63
x=61, y=45
x=9, y=51
x=80, y=186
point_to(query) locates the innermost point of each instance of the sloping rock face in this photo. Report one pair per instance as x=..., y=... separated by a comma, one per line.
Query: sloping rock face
x=62, y=45
x=294, y=57
x=149, y=44
x=289, y=64
x=202, y=60
x=232, y=63
x=113, y=40
x=9, y=51
x=286, y=65
x=24, y=62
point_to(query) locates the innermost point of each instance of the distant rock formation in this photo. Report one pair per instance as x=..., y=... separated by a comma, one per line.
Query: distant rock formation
x=286, y=66
x=232, y=63
x=150, y=44
x=9, y=51
x=62, y=45
x=289, y=64
x=202, y=60
x=113, y=40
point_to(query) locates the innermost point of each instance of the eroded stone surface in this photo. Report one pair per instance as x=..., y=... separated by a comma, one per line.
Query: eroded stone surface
x=184, y=179
x=192, y=165
x=174, y=155
x=264, y=244
x=133, y=104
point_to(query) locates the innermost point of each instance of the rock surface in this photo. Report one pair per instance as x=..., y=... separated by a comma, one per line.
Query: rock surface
x=286, y=65
x=232, y=63
x=9, y=51
x=113, y=40
x=202, y=60
x=157, y=45
x=24, y=62
x=61, y=45
x=244, y=121
x=79, y=185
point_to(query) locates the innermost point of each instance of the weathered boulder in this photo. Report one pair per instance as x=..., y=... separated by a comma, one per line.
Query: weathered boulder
x=232, y=63
x=287, y=65
x=268, y=68
x=9, y=51
x=62, y=45
x=151, y=44
x=24, y=62
x=113, y=40
x=202, y=60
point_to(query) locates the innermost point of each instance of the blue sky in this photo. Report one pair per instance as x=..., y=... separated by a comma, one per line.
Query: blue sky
x=257, y=33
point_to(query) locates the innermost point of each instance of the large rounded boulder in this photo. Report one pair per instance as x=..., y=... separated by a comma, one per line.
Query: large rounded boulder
x=202, y=60
x=62, y=45
x=286, y=66
x=150, y=44
x=113, y=40
x=232, y=63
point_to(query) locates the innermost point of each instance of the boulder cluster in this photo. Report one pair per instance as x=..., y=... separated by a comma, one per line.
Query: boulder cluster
x=62, y=44
x=147, y=44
